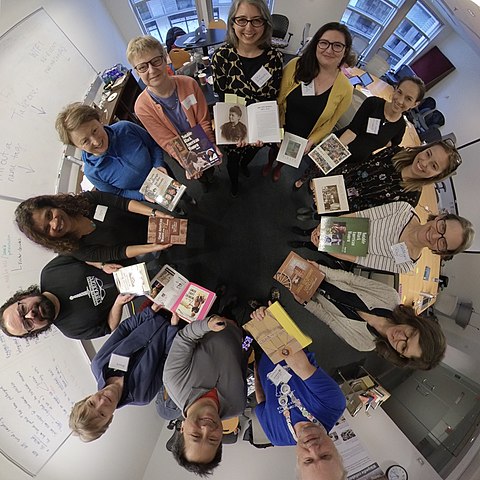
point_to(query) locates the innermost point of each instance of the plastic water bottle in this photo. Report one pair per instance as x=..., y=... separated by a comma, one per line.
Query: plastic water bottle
x=203, y=28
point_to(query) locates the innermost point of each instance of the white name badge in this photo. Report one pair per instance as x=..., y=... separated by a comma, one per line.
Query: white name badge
x=189, y=101
x=400, y=253
x=279, y=375
x=308, y=89
x=100, y=213
x=118, y=362
x=262, y=76
x=373, y=125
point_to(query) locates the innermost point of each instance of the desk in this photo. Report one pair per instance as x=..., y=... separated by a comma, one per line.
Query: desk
x=212, y=37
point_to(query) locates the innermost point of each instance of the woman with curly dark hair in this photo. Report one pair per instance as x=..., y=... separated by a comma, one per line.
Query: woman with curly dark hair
x=92, y=226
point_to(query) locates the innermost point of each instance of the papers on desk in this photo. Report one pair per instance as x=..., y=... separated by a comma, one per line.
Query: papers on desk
x=191, y=39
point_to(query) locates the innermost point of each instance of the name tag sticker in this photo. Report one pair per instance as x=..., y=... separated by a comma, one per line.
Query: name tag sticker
x=189, y=101
x=373, y=125
x=262, y=76
x=308, y=89
x=279, y=375
x=118, y=362
x=400, y=253
x=100, y=213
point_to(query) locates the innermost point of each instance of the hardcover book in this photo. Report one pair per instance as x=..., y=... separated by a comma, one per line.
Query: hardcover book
x=344, y=235
x=329, y=153
x=162, y=189
x=133, y=279
x=330, y=194
x=277, y=333
x=167, y=230
x=299, y=276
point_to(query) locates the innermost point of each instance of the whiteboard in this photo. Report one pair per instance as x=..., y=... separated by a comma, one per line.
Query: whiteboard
x=40, y=380
x=42, y=71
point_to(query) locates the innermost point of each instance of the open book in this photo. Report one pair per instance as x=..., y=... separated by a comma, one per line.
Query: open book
x=133, y=279
x=330, y=194
x=235, y=123
x=194, y=150
x=163, y=189
x=167, y=230
x=299, y=276
x=344, y=235
x=175, y=293
x=329, y=153
x=277, y=334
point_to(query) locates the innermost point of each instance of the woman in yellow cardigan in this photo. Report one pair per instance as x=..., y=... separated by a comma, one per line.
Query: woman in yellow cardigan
x=314, y=93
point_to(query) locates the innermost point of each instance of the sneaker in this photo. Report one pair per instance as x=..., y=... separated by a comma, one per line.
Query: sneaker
x=274, y=294
x=301, y=231
x=245, y=171
x=297, y=244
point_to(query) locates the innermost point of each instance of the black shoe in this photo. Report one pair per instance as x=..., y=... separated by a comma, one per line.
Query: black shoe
x=304, y=211
x=179, y=211
x=301, y=231
x=245, y=170
x=234, y=192
x=306, y=218
x=297, y=244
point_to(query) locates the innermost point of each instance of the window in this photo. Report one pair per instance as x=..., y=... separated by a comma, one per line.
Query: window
x=223, y=7
x=410, y=23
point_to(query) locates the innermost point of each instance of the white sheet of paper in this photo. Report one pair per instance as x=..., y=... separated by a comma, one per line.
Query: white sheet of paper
x=189, y=101
x=308, y=89
x=100, y=213
x=400, y=253
x=118, y=362
x=262, y=76
x=279, y=375
x=373, y=125
x=263, y=122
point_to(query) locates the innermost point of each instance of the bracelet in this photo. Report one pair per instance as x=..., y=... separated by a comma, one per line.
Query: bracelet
x=152, y=213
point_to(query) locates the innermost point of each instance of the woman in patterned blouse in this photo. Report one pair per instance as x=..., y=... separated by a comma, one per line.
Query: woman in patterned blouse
x=249, y=67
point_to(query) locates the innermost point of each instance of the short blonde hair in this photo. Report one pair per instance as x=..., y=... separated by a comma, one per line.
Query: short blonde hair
x=84, y=424
x=143, y=44
x=72, y=117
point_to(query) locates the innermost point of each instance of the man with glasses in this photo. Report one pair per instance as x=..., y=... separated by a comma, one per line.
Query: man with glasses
x=81, y=300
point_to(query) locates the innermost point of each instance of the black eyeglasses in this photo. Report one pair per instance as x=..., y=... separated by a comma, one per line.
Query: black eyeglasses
x=242, y=21
x=337, y=47
x=154, y=62
x=28, y=324
x=441, y=228
x=402, y=345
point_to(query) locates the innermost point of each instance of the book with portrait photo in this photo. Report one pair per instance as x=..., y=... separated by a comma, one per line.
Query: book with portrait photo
x=167, y=230
x=344, y=235
x=196, y=153
x=330, y=194
x=133, y=280
x=291, y=150
x=238, y=123
x=329, y=153
x=162, y=189
x=299, y=276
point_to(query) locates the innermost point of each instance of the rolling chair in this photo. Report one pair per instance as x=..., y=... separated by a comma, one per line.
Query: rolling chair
x=217, y=24
x=280, y=31
x=178, y=57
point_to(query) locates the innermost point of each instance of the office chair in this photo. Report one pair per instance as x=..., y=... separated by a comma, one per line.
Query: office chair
x=280, y=31
x=347, y=117
x=172, y=34
x=178, y=57
x=218, y=24
x=305, y=39
x=404, y=71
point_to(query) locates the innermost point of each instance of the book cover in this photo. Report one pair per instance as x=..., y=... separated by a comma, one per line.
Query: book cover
x=167, y=230
x=167, y=286
x=299, y=276
x=194, y=302
x=344, y=235
x=162, y=189
x=291, y=149
x=329, y=153
x=330, y=194
x=133, y=279
x=277, y=333
x=195, y=151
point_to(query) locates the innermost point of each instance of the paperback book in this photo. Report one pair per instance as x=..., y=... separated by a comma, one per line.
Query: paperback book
x=195, y=151
x=329, y=153
x=344, y=235
x=291, y=149
x=175, y=293
x=162, y=189
x=236, y=123
x=330, y=194
x=133, y=280
x=277, y=333
x=299, y=276
x=167, y=230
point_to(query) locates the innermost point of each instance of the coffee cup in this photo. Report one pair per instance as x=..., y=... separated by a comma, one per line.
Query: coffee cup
x=202, y=78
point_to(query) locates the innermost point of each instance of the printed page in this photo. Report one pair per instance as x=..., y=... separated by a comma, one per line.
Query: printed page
x=263, y=122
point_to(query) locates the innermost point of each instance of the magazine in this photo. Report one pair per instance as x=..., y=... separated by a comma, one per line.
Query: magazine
x=330, y=194
x=329, y=153
x=175, y=293
x=167, y=230
x=299, y=276
x=133, y=279
x=344, y=235
x=162, y=189
x=236, y=123
x=195, y=151
x=277, y=333
x=291, y=149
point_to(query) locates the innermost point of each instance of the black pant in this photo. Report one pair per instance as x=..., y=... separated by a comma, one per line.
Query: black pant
x=237, y=157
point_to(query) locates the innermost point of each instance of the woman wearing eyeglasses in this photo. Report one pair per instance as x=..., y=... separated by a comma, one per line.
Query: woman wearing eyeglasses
x=249, y=67
x=170, y=105
x=367, y=315
x=314, y=93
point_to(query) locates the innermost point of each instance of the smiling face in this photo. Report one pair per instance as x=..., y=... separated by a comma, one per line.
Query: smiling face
x=317, y=456
x=153, y=77
x=405, y=97
x=327, y=57
x=429, y=163
x=248, y=35
x=430, y=235
x=405, y=340
x=102, y=405
x=52, y=222
x=90, y=137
